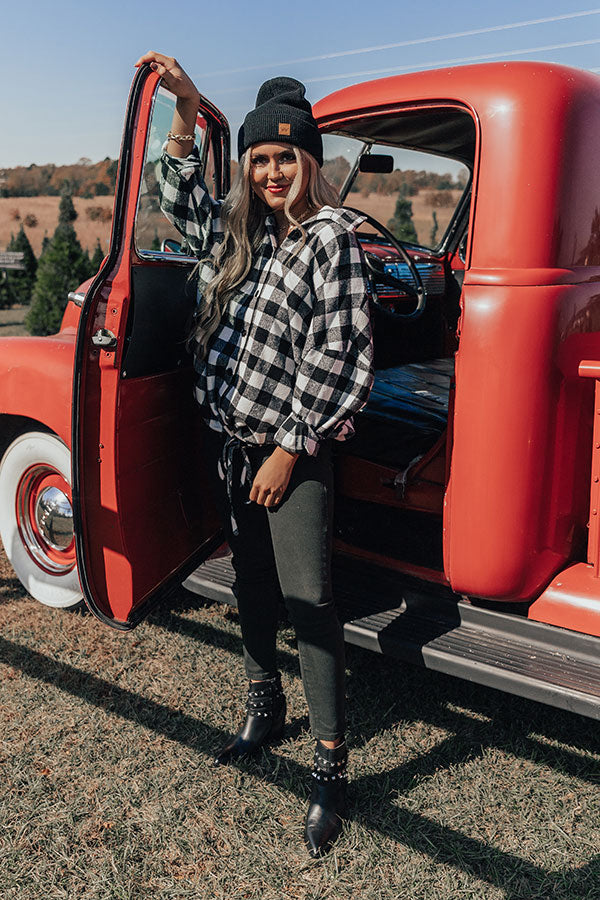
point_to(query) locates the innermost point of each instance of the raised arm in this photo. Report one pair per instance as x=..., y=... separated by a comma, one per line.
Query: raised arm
x=188, y=99
x=184, y=198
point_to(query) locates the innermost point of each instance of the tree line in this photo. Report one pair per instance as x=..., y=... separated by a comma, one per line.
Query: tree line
x=410, y=181
x=63, y=263
x=86, y=179
x=45, y=282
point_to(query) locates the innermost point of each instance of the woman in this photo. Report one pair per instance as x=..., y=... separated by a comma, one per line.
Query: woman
x=283, y=352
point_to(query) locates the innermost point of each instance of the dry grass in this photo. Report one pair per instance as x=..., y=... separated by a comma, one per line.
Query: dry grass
x=45, y=209
x=107, y=791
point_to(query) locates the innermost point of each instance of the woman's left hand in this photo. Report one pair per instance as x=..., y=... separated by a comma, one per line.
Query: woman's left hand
x=273, y=477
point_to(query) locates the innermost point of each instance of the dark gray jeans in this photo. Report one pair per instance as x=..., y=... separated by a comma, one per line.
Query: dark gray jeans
x=284, y=552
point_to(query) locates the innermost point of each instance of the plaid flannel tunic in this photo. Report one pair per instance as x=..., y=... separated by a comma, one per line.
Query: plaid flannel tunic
x=292, y=358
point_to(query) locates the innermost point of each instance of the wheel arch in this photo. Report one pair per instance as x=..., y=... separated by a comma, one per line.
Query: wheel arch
x=36, y=378
x=12, y=425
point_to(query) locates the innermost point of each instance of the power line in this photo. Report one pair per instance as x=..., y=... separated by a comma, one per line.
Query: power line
x=451, y=62
x=416, y=41
x=416, y=67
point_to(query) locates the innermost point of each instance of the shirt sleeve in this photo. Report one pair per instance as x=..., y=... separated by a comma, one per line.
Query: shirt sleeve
x=336, y=373
x=186, y=202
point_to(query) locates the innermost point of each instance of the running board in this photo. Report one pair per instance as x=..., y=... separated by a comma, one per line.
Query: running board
x=430, y=626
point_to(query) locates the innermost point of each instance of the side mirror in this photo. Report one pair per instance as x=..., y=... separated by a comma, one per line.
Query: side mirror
x=376, y=162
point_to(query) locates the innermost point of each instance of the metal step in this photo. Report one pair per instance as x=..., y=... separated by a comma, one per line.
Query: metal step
x=430, y=626
x=214, y=580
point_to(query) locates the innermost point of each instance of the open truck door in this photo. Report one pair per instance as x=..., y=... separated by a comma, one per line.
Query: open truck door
x=143, y=510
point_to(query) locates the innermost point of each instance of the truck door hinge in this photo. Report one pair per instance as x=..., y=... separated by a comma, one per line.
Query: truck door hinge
x=105, y=339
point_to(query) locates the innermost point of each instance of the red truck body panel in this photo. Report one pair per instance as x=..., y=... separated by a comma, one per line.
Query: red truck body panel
x=517, y=502
x=37, y=376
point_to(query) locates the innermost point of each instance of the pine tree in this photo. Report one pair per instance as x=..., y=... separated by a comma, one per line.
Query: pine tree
x=5, y=296
x=97, y=257
x=62, y=268
x=66, y=210
x=434, y=229
x=401, y=224
x=19, y=282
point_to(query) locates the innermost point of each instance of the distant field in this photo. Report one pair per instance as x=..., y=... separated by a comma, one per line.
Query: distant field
x=382, y=208
x=11, y=321
x=14, y=209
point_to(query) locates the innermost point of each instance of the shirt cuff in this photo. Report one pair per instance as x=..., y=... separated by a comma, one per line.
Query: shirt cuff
x=296, y=437
x=180, y=163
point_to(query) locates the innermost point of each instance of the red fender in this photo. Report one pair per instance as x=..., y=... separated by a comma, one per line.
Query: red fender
x=37, y=376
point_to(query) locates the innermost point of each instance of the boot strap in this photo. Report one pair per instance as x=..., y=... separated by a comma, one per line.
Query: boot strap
x=262, y=696
x=330, y=764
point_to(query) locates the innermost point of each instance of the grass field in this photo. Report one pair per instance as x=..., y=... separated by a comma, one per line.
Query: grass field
x=107, y=790
x=13, y=211
x=382, y=208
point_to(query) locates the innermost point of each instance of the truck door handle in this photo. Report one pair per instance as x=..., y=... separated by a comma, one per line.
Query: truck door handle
x=104, y=338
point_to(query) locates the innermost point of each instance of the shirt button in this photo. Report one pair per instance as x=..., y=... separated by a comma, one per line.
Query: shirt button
x=244, y=332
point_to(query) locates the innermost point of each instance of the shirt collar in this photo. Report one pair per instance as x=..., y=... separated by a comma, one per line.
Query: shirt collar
x=347, y=218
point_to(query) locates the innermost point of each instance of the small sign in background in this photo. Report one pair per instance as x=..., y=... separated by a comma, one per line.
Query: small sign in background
x=11, y=260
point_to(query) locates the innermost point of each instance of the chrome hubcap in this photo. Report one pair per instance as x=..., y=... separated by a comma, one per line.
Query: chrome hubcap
x=45, y=519
x=54, y=518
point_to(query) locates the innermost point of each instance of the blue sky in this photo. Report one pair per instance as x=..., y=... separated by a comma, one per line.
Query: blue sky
x=68, y=65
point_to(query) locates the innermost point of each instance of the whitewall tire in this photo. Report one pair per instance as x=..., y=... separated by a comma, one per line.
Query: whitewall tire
x=36, y=520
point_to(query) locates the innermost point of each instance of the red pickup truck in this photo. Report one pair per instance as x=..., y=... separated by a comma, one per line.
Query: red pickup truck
x=468, y=503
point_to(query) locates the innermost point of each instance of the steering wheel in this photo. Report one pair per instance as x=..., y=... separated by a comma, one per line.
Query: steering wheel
x=376, y=267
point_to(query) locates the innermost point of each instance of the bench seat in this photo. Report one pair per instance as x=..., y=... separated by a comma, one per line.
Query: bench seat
x=406, y=413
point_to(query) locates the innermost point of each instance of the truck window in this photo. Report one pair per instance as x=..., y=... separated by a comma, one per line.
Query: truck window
x=416, y=200
x=154, y=235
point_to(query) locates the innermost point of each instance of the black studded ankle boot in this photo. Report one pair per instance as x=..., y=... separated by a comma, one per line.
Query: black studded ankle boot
x=265, y=718
x=328, y=802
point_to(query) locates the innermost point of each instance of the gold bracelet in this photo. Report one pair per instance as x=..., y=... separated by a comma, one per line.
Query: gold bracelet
x=180, y=137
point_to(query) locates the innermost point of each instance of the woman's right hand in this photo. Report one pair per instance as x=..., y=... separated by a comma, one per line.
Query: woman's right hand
x=173, y=76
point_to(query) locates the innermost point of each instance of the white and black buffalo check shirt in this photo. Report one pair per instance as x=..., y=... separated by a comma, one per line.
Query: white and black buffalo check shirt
x=292, y=358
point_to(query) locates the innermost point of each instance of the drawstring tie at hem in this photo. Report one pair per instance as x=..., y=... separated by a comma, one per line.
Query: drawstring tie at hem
x=225, y=465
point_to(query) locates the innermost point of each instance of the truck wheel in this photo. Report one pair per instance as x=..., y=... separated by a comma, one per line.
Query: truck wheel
x=36, y=518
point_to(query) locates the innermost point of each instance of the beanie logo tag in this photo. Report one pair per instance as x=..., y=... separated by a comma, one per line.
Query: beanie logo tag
x=284, y=128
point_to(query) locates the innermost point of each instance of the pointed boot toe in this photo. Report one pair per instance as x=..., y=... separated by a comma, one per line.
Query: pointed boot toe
x=323, y=826
x=236, y=749
x=328, y=802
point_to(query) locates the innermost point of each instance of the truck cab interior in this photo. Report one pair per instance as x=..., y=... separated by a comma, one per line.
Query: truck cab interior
x=410, y=173
x=392, y=475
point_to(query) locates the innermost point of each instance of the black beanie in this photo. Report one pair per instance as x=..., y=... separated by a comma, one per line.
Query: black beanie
x=282, y=113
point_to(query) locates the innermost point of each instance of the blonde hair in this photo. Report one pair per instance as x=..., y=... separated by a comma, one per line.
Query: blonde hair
x=243, y=216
